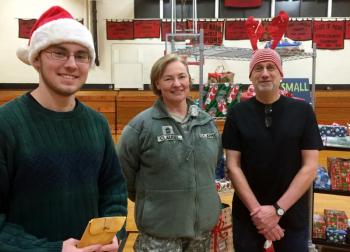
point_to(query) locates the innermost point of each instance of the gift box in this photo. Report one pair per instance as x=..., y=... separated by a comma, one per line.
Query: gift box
x=333, y=130
x=223, y=185
x=335, y=235
x=221, y=235
x=336, y=219
x=339, y=169
x=322, y=180
x=219, y=97
x=342, y=142
x=221, y=76
x=234, y=95
x=319, y=226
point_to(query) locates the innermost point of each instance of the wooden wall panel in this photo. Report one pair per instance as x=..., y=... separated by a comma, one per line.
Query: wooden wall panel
x=333, y=106
x=120, y=107
x=130, y=103
x=101, y=101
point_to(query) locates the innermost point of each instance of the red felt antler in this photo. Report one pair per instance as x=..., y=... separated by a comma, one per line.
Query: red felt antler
x=254, y=31
x=278, y=27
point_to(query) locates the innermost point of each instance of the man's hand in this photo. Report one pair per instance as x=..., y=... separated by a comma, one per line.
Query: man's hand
x=113, y=247
x=70, y=245
x=276, y=233
x=265, y=218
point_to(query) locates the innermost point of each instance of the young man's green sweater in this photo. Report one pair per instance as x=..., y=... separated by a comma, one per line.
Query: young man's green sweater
x=57, y=171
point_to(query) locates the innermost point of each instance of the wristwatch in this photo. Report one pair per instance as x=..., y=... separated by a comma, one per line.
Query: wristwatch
x=279, y=210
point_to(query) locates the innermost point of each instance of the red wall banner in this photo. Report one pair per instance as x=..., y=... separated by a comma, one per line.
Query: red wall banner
x=146, y=28
x=166, y=28
x=120, y=30
x=242, y=3
x=213, y=31
x=235, y=30
x=299, y=30
x=24, y=27
x=329, y=34
x=347, y=29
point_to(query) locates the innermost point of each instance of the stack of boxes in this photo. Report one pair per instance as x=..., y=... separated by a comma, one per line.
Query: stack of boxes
x=335, y=135
x=336, y=226
x=332, y=226
x=319, y=226
x=339, y=170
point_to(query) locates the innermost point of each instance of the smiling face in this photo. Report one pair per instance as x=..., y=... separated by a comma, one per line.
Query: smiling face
x=62, y=77
x=174, y=83
x=266, y=78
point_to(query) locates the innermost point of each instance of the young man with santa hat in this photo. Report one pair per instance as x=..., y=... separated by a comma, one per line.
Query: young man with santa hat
x=58, y=164
x=272, y=144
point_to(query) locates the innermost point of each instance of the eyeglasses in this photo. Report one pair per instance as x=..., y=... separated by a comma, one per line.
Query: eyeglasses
x=268, y=116
x=63, y=55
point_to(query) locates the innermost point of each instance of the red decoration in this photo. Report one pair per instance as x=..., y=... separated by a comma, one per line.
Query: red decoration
x=278, y=27
x=329, y=34
x=347, y=29
x=242, y=3
x=268, y=246
x=235, y=30
x=120, y=30
x=146, y=28
x=267, y=30
x=254, y=31
x=299, y=30
x=213, y=31
x=24, y=27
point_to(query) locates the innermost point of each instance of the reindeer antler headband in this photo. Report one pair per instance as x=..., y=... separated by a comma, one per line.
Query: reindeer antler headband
x=276, y=29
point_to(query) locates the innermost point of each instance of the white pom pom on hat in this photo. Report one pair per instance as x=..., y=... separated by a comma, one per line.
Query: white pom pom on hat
x=55, y=26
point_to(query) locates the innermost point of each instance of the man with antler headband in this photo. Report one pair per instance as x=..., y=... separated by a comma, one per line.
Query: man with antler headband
x=272, y=145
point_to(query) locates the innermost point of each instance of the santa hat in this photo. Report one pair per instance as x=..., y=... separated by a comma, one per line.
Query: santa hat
x=55, y=26
x=263, y=55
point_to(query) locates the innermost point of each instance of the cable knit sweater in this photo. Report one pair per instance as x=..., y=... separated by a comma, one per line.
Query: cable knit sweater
x=57, y=171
